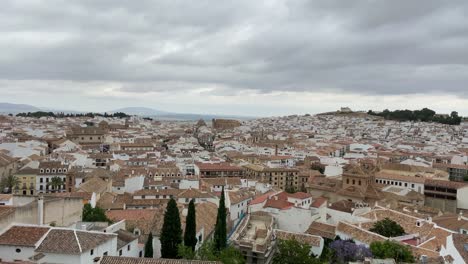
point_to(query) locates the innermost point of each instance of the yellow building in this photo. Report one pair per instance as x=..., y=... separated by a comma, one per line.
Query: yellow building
x=27, y=182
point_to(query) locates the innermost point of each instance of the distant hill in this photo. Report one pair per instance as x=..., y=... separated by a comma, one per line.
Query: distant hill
x=7, y=108
x=163, y=115
x=140, y=111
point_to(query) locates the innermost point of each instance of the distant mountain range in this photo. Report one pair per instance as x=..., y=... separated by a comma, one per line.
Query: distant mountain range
x=140, y=111
x=8, y=108
x=163, y=115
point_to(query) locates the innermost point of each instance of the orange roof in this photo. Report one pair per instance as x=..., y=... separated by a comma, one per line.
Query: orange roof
x=278, y=204
x=262, y=198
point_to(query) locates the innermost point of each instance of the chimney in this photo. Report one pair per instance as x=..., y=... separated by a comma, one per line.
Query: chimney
x=40, y=210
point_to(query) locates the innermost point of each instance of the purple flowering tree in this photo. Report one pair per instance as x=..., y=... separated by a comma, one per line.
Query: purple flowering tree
x=346, y=250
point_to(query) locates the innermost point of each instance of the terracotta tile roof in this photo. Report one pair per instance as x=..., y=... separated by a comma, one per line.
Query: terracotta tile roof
x=238, y=196
x=6, y=210
x=6, y=160
x=23, y=235
x=303, y=238
x=4, y=197
x=343, y=206
x=193, y=193
x=63, y=241
x=451, y=221
x=299, y=195
x=147, y=202
x=262, y=198
x=460, y=241
x=95, y=184
x=206, y=214
x=144, y=219
x=218, y=167
x=318, y=202
x=160, y=192
x=412, y=225
x=124, y=237
x=321, y=229
x=129, y=260
x=114, y=201
x=446, y=184
x=278, y=204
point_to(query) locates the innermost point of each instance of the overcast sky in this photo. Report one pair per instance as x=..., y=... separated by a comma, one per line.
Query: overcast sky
x=235, y=57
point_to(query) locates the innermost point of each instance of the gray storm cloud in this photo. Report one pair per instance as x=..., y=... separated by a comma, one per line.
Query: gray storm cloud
x=365, y=47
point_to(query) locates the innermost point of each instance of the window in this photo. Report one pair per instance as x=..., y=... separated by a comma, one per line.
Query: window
x=64, y=170
x=42, y=170
x=47, y=170
x=359, y=182
x=105, y=253
x=141, y=253
x=347, y=181
x=354, y=181
x=18, y=250
x=53, y=170
x=92, y=252
x=120, y=252
x=41, y=180
x=128, y=247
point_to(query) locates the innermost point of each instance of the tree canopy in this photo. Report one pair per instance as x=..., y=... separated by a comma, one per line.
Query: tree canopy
x=171, y=233
x=8, y=183
x=294, y=252
x=423, y=115
x=388, y=228
x=149, y=246
x=391, y=249
x=95, y=214
x=190, y=234
x=56, y=183
x=220, y=236
x=229, y=255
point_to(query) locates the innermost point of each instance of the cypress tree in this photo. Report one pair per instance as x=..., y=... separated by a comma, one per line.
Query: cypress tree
x=190, y=235
x=149, y=246
x=220, y=228
x=171, y=233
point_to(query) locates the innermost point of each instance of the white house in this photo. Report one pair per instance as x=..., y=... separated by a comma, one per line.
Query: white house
x=456, y=247
x=19, y=242
x=73, y=246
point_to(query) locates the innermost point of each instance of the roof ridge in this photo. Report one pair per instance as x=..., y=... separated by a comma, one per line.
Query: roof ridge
x=77, y=240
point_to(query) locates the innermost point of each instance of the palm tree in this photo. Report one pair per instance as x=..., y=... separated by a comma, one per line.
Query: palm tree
x=9, y=182
x=56, y=183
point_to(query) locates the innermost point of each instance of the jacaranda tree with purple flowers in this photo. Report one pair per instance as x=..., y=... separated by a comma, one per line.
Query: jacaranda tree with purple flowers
x=345, y=251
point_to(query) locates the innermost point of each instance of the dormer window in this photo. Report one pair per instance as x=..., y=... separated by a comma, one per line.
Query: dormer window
x=47, y=170
x=64, y=170
x=53, y=170
x=42, y=170
x=418, y=223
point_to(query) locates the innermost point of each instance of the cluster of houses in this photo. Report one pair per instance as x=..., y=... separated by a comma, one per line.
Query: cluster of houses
x=311, y=178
